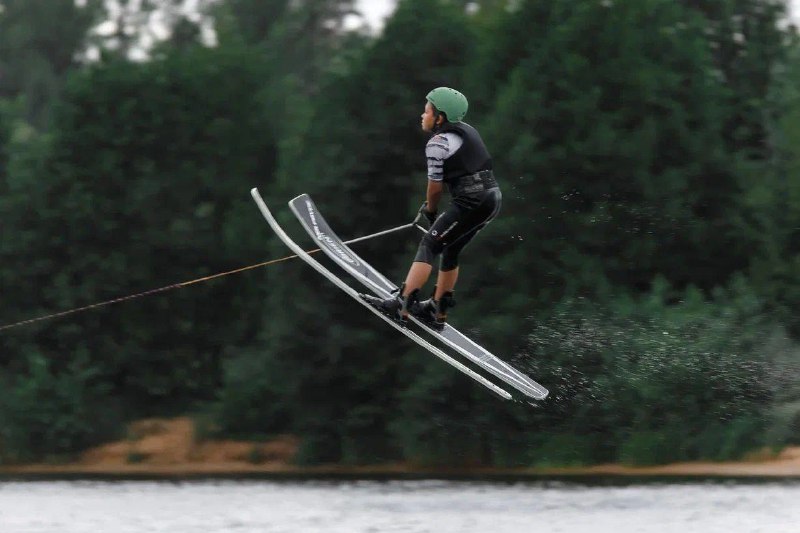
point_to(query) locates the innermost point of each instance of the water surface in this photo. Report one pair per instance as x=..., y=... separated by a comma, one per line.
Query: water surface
x=397, y=506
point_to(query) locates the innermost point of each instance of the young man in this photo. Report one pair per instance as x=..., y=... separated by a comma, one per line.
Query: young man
x=456, y=157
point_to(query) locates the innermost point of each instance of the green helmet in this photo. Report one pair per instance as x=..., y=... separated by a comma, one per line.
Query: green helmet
x=450, y=102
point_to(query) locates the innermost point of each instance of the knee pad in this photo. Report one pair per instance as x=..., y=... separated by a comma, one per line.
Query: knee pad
x=428, y=250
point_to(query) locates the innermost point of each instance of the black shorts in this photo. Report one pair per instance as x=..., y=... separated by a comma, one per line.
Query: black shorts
x=456, y=227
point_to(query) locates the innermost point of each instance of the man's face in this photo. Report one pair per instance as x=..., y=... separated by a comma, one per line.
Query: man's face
x=428, y=118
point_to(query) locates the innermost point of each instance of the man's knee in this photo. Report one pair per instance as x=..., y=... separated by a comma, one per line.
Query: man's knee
x=428, y=250
x=449, y=260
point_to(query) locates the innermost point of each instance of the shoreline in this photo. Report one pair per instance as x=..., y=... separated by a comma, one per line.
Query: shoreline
x=774, y=469
x=168, y=449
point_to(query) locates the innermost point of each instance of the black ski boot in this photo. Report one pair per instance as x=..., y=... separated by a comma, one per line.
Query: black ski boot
x=434, y=312
x=397, y=307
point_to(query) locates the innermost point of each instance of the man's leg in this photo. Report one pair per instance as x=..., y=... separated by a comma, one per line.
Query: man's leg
x=429, y=248
x=418, y=274
x=445, y=282
x=398, y=306
x=434, y=310
x=471, y=223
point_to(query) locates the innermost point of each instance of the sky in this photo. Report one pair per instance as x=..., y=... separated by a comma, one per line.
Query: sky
x=376, y=10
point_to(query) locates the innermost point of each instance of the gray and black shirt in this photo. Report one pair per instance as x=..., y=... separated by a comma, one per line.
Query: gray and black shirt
x=455, y=151
x=439, y=148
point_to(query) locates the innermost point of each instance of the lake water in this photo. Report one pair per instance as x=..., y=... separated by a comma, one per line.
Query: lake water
x=398, y=506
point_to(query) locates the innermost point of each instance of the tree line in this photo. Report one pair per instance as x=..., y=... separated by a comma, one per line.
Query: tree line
x=645, y=266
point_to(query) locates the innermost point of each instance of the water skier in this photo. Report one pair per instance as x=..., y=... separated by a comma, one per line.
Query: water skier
x=457, y=157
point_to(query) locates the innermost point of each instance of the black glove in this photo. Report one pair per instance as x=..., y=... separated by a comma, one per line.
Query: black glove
x=429, y=215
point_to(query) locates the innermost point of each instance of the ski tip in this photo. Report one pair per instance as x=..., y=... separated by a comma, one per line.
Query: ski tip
x=298, y=197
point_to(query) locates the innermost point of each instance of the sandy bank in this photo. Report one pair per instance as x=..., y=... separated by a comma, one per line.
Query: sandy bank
x=169, y=448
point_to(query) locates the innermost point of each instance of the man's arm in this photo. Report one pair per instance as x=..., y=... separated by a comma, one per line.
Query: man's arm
x=434, y=194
